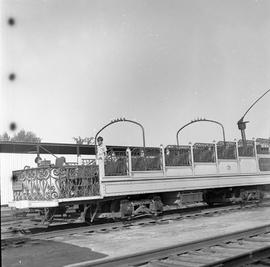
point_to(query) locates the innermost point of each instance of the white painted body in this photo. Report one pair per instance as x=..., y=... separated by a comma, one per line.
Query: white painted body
x=113, y=186
x=223, y=173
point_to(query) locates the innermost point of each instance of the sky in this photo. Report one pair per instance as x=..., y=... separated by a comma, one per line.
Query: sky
x=80, y=64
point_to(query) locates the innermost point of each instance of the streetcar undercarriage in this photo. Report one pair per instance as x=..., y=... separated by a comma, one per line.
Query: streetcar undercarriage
x=128, y=207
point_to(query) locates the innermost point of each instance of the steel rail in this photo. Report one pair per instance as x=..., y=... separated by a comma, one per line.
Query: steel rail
x=139, y=259
x=244, y=259
x=65, y=229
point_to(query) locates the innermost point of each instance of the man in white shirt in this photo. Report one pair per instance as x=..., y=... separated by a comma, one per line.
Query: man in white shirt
x=101, y=149
x=101, y=155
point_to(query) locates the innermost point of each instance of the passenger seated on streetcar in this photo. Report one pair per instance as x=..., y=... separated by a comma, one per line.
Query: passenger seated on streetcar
x=170, y=158
x=141, y=164
x=110, y=163
x=138, y=161
x=121, y=166
x=178, y=157
x=113, y=157
x=115, y=164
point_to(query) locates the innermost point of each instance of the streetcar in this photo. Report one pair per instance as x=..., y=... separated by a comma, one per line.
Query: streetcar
x=145, y=180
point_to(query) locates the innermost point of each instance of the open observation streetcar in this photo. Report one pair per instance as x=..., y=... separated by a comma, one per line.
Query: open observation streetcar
x=147, y=180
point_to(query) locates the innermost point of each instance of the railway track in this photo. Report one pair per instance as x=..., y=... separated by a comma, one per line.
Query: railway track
x=22, y=223
x=20, y=235
x=245, y=248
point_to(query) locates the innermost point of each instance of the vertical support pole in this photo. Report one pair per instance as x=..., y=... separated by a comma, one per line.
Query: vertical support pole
x=163, y=159
x=129, y=161
x=216, y=156
x=101, y=175
x=256, y=155
x=237, y=157
x=78, y=153
x=192, y=159
x=243, y=134
x=242, y=126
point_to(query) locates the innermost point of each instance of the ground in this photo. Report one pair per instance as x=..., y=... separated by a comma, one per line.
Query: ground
x=64, y=250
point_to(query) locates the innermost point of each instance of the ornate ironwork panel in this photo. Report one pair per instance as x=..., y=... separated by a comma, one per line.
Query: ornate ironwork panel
x=146, y=159
x=226, y=150
x=49, y=183
x=263, y=146
x=178, y=156
x=203, y=152
x=116, y=163
x=249, y=151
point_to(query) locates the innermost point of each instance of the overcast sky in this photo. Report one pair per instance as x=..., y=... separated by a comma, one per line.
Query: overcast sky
x=78, y=64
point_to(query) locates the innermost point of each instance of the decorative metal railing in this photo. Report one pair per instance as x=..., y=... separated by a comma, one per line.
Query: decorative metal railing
x=226, y=150
x=178, y=156
x=56, y=183
x=146, y=159
x=116, y=163
x=249, y=151
x=203, y=152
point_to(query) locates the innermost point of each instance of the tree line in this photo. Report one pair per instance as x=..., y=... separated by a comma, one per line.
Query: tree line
x=21, y=136
x=30, y=137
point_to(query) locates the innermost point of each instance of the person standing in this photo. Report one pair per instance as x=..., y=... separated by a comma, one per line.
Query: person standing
x=101, y=149
x=101, y=155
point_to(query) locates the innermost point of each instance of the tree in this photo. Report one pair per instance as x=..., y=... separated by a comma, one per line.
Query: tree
x=23, y=136
x=87, y=140
x=90, y=140
x=4, y=137
x=78, y=140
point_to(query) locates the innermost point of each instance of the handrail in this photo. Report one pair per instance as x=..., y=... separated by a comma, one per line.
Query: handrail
x=116, y=121
x=200, y=120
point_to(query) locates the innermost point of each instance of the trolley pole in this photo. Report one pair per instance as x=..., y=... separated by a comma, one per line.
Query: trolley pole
x=242, y=127
x=242, y=124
